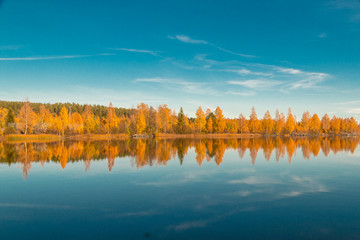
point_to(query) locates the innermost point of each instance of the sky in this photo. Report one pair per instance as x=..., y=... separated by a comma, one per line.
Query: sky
x=233, y=54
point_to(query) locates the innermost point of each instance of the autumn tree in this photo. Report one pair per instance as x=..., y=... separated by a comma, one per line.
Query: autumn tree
x=290, y=122
x=145, y=111
x=305, y=122
x=26, y=117
x=231, y=125
x=44, y=120
x=163, y=117
x=88, y=120
x=76, y=123
x=209, y=125
x=63, y=119
x=254, y=123
x=315, y=124
x=141, y=118
x=267, y=123
x=351, y=125
x=335, y=124
x=219, y=123
x=111, y=118
x=200, y=120
x=279, y=122
x=3, y=113
x=132, y=126
x=151, y=122
x=325, y=123
x=242, y=124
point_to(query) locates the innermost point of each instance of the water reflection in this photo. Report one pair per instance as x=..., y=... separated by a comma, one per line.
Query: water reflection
x=149, y=152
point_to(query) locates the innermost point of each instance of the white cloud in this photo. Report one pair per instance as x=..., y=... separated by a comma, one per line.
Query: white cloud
x=10, y=47
x=349, y=102
x=311, y=81
x=289, y=70
x=52, y=57
x=353, y=111
x=155, y=53
x=178, y=84
x=152, y=80
x=256, y=83
x=235, y=53
x=244, y=71
x=244, y=94
x=351, y=5
x=187, y=39
x=322, y=35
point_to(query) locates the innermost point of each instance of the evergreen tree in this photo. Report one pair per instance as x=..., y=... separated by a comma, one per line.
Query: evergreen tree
x=181, y=121
x=10, y=122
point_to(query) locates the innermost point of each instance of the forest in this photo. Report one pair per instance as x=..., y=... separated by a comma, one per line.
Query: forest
x=74, y=119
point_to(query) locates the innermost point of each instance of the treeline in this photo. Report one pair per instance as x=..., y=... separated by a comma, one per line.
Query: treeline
x=97, y=110
x=150, y=120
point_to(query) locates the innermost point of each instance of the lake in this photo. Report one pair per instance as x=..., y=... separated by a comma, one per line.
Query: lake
x=259, y=188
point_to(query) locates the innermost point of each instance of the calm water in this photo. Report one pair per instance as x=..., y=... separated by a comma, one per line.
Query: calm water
x=181, y=189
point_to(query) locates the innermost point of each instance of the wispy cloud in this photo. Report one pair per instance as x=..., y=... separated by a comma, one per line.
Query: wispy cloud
x=10, y=47
x=288, y=79
x=349, y=102
x=289, y=70
x=322, y=35
x=152, y=80
x=187, y=39
x=351, y=5
x=244, y=94
x=235, y=53
x=353, y=111
x=244, y=71
x=256, y=83
x=179, y=84
x=52, y=57
x=311, y=81
x=154, y=53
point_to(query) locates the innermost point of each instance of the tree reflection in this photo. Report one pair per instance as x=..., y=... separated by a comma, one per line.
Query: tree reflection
x=149, y=152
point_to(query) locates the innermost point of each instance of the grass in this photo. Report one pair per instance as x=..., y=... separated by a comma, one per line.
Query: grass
x=54, y=137
x=32, y=137
x=98, y=136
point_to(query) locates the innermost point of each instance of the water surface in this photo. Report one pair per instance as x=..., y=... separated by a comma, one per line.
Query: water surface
x=303, y=188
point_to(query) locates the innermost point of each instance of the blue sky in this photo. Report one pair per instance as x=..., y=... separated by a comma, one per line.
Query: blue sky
x=232, y=54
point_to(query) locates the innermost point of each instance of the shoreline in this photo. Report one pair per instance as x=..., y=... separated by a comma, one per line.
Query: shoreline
x=88, y=137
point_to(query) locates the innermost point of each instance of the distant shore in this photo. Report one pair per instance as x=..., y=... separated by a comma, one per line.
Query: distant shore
x=86, y=137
